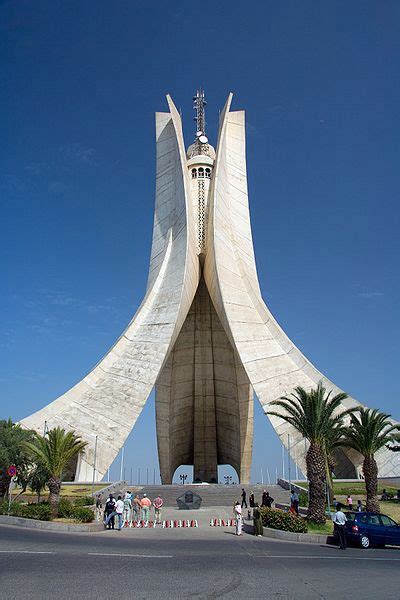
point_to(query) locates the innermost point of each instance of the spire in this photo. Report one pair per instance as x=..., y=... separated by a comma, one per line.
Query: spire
x=199, y=107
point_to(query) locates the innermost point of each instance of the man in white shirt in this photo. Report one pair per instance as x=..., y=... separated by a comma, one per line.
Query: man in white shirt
x=119, y=509
x=339, y=519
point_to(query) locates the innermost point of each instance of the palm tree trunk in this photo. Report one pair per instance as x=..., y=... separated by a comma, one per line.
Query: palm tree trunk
x=316, y=474
x=54, y=485
x=370, y=470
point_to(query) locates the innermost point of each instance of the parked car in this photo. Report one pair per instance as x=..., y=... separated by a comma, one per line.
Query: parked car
x=371, y=529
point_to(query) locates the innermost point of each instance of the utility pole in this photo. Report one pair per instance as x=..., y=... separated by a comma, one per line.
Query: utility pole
x=147, y=475
x=139, y=475
x=94, y=464
x=283, y=461
x=289, y=466
x=122, y=463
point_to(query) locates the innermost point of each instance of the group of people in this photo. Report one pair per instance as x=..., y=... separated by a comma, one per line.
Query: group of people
x=127, y=510
x=266, y=499
x=349, y=502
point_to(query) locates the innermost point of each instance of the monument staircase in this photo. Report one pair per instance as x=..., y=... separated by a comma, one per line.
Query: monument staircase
x=212, y=494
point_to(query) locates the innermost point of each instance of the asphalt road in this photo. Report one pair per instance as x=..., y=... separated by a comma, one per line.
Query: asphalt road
x=194, y=563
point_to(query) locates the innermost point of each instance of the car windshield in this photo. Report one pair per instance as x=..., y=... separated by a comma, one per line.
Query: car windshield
x=387, y=521
x=351, y=516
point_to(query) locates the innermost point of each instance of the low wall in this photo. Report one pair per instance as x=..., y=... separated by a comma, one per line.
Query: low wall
x=283, y=483
x=50, y=525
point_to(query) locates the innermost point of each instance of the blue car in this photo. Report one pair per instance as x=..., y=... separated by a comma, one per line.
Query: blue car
x=371, y=529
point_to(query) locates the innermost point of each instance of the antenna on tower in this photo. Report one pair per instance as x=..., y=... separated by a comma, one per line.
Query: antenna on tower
x=199, y=107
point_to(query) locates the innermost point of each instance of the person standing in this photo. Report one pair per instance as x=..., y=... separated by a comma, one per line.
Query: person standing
x=350, y=502
x=267, y=500
x=119, y=510
x=339, y=519
x=359, y=506
x=238, y=516
x=109, y=512
x=257, y=521
x=127, y=514
x=157, y=503
x=244, y=501
x=294, y=501
x=251, y=500
x=136, y=507
x=145, y=503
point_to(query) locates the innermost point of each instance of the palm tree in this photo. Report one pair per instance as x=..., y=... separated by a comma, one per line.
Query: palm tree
x=12, y=436
x=52, y=453
x=313, y=415
x=369, y=431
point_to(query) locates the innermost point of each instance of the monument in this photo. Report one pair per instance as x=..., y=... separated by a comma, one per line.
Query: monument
x=203, y=336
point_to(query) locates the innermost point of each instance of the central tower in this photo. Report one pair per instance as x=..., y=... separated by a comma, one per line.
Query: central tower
x=204, y=400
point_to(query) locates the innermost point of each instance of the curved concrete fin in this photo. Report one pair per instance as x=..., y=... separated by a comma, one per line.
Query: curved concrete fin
x=274, y=365
x=107, y=402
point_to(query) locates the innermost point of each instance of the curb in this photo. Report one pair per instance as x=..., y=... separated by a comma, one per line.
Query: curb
x=288, y=536
x=49, y=525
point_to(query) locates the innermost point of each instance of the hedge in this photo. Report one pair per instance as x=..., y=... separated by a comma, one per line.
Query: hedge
x=38, y=511
x=41, y=511
x=68, y=510
x=285, y=521
x=84, y=501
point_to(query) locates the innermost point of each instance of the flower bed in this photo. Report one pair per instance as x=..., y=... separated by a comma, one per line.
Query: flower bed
x=285, y=521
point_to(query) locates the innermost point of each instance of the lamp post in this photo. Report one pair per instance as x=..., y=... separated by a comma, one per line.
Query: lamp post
x=94, y=464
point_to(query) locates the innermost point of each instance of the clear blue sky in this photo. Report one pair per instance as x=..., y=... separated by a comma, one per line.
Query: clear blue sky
x=81, y=81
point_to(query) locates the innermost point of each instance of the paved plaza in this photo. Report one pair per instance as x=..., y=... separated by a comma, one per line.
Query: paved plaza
x=194, y=563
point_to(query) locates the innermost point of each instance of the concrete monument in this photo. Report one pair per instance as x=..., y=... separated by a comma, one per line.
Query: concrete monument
x=203, y=336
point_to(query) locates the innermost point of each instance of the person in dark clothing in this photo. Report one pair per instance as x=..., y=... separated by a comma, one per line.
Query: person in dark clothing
x=267, y=500
x=244, y=501
x=251, y=500
x=108, y=510
x=258, y=526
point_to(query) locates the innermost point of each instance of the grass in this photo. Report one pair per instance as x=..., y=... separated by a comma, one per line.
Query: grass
x=354, y=488
x=326, y=529
x=67, y=491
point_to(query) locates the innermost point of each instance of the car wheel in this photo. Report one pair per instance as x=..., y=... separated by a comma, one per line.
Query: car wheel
x=364, y=541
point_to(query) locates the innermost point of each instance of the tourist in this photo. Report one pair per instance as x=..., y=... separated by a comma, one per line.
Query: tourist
x=136, y=508
x=127, y=514
x=359, y=506
x=145, y=504
x=267, y=500
x=119, y=510
x=109, y=512
x=251, y=500
x=128, y=494
x=98, y=508
x=244, y=501
x=350, y=502
x=257, y=520
x=339, y=520
x=238, y=516
x=294, y=501
x=157, y=503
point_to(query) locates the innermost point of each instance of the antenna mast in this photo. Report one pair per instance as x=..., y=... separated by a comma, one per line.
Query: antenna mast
x=199, y=107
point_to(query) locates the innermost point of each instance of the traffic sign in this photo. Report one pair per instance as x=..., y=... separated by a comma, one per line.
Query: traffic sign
x=12, y=471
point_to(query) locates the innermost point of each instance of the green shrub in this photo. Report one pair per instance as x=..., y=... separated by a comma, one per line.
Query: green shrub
x=84, y=501
x=65, y=508
x=285, y=521
x=40, y=511
x=83, y=514
x=303, y=499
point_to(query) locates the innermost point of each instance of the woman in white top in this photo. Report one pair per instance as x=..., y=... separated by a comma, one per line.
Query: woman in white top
x=238, y=515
